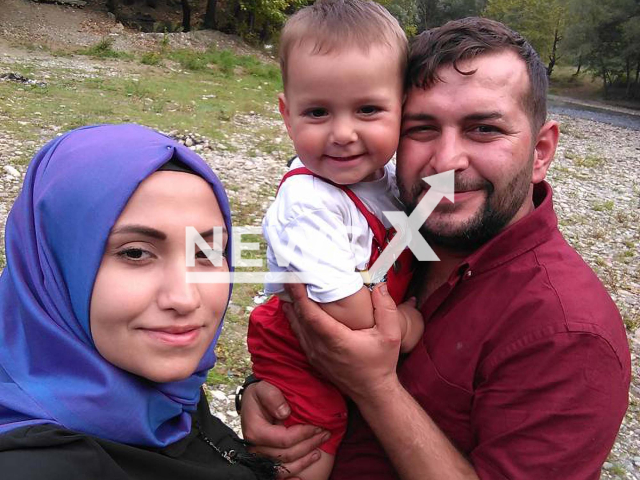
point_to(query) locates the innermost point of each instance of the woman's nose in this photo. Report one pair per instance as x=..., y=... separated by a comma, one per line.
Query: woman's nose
x=176, y=293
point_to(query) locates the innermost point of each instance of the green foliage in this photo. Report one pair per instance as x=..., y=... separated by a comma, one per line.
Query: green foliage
x=103, y=49
x=603, y=36
x=541, y=22
x=151, y=58
x=257, y=21
x=433, y=13
x=225, y=62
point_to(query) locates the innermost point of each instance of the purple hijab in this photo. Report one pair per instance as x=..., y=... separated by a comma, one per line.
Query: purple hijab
x=50, y=371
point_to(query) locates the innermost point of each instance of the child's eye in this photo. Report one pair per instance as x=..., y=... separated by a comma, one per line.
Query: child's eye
x=369, y=109
x=135, y=254
x=316, y=112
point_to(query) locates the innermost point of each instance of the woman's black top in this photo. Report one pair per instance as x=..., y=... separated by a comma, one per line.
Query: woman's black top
x=48, y=452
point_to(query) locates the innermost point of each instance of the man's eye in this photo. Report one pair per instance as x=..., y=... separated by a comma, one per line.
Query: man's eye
x=369, y=109
x=316, y=112
x=418, y=131
x=486, y=129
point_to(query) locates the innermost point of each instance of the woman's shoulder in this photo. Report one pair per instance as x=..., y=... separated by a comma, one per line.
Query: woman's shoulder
x=48, y=452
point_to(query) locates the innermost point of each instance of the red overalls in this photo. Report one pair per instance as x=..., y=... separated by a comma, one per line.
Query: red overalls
x=278, y=358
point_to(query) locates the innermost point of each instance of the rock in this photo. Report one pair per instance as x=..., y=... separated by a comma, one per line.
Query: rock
x=218, y=395
x=188, y=142
x=70, y=3
x=11, y=171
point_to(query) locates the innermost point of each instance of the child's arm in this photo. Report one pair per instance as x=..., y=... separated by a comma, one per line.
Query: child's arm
x=356, y=312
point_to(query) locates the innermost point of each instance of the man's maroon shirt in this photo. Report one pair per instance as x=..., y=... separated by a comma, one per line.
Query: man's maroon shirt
x=524, y=363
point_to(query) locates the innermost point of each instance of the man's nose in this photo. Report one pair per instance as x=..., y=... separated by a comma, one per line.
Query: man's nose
x=450, y=152
x=343, y=131
x=175, y=293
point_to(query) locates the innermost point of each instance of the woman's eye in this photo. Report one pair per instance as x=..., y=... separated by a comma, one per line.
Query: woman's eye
x=316, y=112
x=369, y=109
x=216, y=256
x=134, y=254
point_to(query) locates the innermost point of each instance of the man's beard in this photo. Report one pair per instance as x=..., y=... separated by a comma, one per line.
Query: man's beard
x=498, y=210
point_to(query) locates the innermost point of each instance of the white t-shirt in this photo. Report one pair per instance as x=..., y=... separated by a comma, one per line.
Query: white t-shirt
x=317, y=229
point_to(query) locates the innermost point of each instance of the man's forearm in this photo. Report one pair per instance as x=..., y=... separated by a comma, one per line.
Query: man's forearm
x=414, y=443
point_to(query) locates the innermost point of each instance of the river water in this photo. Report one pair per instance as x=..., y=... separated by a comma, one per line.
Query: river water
x=597, y=114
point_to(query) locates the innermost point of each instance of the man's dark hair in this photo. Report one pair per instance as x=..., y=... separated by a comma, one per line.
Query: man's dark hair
x=468, y=38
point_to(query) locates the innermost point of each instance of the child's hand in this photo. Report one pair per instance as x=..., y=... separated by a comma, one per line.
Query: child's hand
x=413, y=325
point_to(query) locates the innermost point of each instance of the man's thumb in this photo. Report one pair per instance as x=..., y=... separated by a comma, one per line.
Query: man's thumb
x=385, y=313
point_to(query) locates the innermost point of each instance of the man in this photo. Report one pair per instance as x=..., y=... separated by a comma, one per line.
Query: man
x=523, y=370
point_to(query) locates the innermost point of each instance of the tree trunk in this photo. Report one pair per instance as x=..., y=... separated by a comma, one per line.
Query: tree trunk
x=579, y=66
x=554, y=51
x=628, y=69
x=186, y=16
x=111, y=6
x=210, y=15
x=603, y=73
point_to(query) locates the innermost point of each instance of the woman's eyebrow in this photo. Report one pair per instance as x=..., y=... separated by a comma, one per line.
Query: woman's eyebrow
x=210, y=232
x=141, y=230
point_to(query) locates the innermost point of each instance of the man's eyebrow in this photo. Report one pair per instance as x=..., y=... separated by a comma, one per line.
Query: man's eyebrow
x=141, y=230
x=423, y=117
x=484, y=116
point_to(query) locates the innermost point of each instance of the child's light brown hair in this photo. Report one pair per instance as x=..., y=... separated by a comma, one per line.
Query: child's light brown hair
x=332, y=25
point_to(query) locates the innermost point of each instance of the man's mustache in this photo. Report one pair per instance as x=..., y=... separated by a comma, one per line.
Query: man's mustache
x=461, y=184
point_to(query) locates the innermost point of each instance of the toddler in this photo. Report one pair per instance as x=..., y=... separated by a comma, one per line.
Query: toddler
x=343, y=64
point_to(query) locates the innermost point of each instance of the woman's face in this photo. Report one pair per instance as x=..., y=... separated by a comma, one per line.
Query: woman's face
x=145, y=318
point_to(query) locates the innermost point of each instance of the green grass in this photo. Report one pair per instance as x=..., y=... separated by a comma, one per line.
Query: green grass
x=104, y=49
x=160, y=98
x=605, y=206
x=583, y=86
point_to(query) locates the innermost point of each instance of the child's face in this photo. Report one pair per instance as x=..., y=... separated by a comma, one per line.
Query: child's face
x=342, y=111
x=144, y=317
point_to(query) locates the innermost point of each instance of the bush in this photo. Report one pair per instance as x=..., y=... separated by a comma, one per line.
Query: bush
x=151, y=58
x=103, y=49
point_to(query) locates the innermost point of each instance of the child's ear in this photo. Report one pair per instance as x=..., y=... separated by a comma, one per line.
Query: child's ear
x=284, y=111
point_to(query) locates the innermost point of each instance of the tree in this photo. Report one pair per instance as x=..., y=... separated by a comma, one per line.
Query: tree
x=186, y=16
x=433, y=13
x=210, y=15
x=541, y=22
x=604, y=34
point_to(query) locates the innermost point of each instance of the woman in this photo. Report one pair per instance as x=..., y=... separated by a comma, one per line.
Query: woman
x=105, y=346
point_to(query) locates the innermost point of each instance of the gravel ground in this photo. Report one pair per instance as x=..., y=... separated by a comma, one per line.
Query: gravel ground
x=597, y=197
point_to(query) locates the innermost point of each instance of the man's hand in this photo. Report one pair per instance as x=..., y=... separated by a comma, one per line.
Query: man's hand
x=360, y=363
x=263, y=410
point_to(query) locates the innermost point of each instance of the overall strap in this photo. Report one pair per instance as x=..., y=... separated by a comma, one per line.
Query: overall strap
x=376, y=226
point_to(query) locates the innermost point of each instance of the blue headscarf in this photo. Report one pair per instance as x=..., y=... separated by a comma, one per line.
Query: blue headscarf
x=50, y=371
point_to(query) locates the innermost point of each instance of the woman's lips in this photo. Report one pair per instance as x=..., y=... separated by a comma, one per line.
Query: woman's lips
x=177, y=338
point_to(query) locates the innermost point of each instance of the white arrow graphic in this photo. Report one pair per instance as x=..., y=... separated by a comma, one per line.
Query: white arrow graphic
x=408, y=228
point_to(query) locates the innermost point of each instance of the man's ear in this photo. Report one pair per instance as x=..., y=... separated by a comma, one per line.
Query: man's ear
x=545, y=149
x=284, y=111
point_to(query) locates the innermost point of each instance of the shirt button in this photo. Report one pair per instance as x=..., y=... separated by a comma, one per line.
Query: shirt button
x=468, y=274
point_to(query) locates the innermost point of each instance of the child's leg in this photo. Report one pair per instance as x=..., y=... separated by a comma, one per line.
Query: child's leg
x=320, y=470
